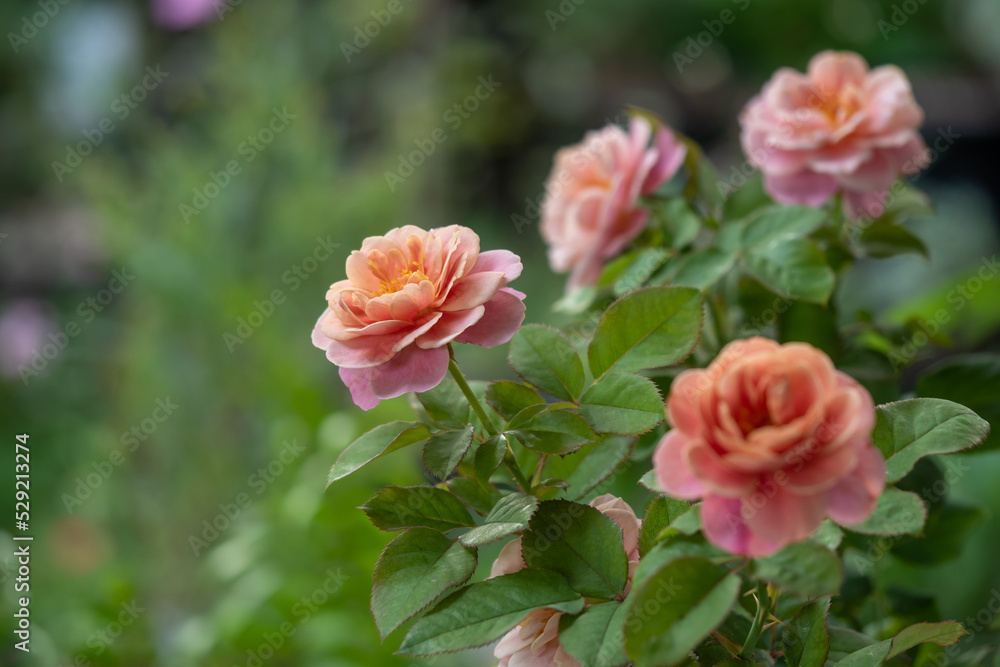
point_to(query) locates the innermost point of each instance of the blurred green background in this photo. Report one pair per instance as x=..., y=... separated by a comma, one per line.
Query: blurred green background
x=180, y=184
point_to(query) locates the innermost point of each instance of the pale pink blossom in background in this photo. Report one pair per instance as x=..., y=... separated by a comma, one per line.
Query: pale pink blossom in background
x=774, y=439
x=184, y=14
x=592, y=209
x=839, y=127
x=535, y=641
x=407, y=295
x=24, y=326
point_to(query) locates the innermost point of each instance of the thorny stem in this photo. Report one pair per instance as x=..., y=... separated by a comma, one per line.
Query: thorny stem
x=477, y=407
x=763, y=608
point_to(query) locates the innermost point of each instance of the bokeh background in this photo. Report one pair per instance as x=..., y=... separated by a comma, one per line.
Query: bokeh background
x=180, y=182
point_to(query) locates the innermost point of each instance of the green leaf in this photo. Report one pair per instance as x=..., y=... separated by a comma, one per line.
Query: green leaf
x=397, y=507
x=580, y=543
x=638, y=272
x=377, y=442
x=509, y=516
x=445, y=404
x=689, y=522
x=870, y=656
x=805, y=639
x=649, y=481
x=508, y=398
x=671, y=550
x=906, y=431
x=445, y=450
x=606, y=457
x=414, y=571
x=793, y=268
x=659, y=515
x=944, y=633
x=883, y=238
x=703, y=268
x=594, y=638
x=972, y=380
x=896, y=513
x=829, y=535
x=780, y=223
x=747, y=198
x=479, y=497
x=489, y=456
x=675, y=609
x=807, y=569
x=681, y=222
x=555, y=432
x=622, y=403
x=480, y=613
x=547, y=359
x=651, y=327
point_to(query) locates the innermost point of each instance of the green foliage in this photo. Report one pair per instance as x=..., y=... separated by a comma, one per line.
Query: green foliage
x=806, y=640
x=907, y=431
x=509, y=515
x=376, y=443
x=594, y=638
x=395, y=507
x=675, y=609
x=445, y=450
x=622, y=403
x=580, y=543
x=649, y=328
x=481, y=612
x=807, y=569
x=896, y=513
x=547, y=359
x=415, y=570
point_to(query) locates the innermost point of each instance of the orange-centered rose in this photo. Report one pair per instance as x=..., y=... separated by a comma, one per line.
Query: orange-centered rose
x=774, y=439
x=407, y=295
x=591, y=209
x=839, y=127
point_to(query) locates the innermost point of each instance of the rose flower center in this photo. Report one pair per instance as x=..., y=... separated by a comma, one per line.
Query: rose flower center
x=841, y=106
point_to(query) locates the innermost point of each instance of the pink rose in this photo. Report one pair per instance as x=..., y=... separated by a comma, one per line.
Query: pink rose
x=840, y=127
x=591, y=209
x=535, y=641
x=407, y=295
x=184, y=14
x=774, y=439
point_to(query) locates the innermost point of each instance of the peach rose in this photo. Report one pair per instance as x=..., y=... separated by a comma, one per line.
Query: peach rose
x=774, y=439
x=407, y=295
x=535, y=641
x=591, y=209
x=838, y=128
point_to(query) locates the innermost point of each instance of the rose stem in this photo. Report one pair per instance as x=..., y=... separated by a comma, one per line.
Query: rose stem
x=763, y=608
x=509, y=460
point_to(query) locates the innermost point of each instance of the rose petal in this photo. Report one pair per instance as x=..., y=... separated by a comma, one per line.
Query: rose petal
x=503, y=317
x=724, y=527
x=672, y=471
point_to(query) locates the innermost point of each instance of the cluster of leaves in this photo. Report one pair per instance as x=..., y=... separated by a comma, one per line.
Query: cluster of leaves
x=692, y=282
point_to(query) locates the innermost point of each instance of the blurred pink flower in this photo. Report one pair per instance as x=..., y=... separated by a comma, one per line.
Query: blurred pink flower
x=24, y=325
x=407, y=295
x=535, y=641
x=840, y=127
x=774, y=439
x=183, y=14
x=591, y=209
